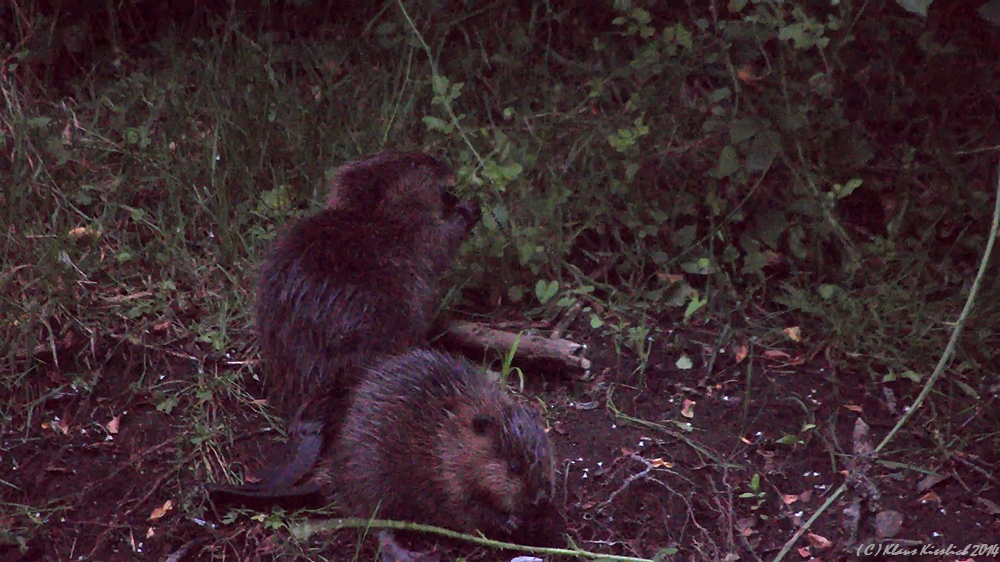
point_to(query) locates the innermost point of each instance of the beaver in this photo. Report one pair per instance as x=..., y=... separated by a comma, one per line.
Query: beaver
x=354, y=282
x=429, y=438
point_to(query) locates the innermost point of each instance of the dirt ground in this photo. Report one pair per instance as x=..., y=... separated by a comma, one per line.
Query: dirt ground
x=699, y=453
x=715, y=464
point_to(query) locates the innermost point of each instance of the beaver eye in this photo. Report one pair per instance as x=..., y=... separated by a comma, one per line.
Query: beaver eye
x=480, y=424
x=516, y=467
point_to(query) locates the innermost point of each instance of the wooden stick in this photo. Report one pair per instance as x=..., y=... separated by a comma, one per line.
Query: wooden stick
x=531, y=347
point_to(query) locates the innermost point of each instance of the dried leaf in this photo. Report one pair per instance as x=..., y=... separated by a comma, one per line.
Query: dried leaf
x=928, y=482
x=819, y=542
x=888, y=524
x=741, y=353
x=745, y=526
x=794, y=333
x=687, y=409
x=670, y=278
x=789, y=499
x=59, y=469
x=660, y=463
x=746, y=74
x=112, y=426
x=930, y=497
x=82, y=232
x=862, y=438
x=161, y=511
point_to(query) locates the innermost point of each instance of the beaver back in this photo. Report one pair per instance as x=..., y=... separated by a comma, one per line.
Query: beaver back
x=357, y=280
x=430, y=438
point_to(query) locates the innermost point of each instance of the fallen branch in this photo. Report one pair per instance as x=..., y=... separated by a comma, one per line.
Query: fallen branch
x=530, y=347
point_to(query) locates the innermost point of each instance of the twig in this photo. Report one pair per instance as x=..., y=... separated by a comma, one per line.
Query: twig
x=434, y=72
x=628, y=481
x=304, y=530
x=949, y=351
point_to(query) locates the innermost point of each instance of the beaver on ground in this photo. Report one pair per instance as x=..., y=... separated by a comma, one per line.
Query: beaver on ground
x=354, y=282
x=429, y=438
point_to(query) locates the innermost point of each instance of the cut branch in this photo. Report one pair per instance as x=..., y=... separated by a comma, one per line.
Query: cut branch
x=530, y=347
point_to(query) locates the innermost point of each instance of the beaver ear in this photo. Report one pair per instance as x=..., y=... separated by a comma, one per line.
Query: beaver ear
x=481, y=424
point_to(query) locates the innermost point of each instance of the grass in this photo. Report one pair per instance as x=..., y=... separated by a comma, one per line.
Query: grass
x=658, y=169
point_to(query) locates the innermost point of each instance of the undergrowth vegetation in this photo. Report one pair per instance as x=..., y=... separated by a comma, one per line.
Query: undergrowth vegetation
x=691, y=167
x=819, y=166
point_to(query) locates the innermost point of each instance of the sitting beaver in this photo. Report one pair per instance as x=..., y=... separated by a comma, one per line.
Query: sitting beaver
x=429, y=438
x=356, y=281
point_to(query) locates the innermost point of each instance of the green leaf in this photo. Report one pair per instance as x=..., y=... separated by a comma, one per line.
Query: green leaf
x=826, y=291
x=841, y=191
x=918, y=7
x=686, y=235
x=665, y=554
x=440, y=85
x=435, y=124
x=489, y=222
x=595, y=322
x=684, y=37
x=515, y=293
x=38, y=122
x=696, y=304
x=762, y=152
x=743, y=129
x=700, y=266
x=728, y=163
x=793, y=32
x=167, y=404
x=754, y=263
x=545, y=291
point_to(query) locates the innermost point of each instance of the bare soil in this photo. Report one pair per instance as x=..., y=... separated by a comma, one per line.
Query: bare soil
x=671, y=465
